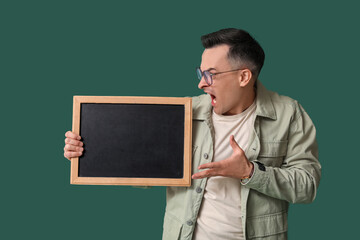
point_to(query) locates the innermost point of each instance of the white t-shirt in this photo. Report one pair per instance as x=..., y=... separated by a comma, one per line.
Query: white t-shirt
x=220, y=217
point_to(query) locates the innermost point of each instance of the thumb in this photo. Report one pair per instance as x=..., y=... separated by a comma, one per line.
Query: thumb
x=235, y=146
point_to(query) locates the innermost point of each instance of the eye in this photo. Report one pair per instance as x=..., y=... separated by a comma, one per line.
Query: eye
x=213, y=74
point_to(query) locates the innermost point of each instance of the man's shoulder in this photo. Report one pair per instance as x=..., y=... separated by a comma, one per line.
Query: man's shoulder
x=282, y=104
x=201, y=105
x=200, y=99
x=281, y=100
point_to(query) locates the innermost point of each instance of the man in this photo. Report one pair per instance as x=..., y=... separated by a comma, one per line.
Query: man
x=254, y=151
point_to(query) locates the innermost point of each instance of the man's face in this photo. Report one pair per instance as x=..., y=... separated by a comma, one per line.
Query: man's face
x=225, y=91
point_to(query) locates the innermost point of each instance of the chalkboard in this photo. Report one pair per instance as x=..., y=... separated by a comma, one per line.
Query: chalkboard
x=133, y=141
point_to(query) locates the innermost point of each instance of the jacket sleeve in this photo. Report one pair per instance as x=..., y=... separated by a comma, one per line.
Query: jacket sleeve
x=298, y=178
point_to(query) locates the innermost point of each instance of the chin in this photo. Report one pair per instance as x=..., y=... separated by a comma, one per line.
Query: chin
x=218, y=111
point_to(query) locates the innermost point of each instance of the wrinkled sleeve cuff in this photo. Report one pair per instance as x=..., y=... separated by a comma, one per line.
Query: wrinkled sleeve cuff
x=258, y=179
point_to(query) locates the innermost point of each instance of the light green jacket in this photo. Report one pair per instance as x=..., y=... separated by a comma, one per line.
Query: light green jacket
x=283, y=140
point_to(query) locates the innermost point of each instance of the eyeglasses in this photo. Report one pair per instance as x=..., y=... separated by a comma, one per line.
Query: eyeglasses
x=208, y=75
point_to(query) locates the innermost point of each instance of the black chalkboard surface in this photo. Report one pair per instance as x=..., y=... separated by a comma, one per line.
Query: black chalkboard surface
x=133, y=141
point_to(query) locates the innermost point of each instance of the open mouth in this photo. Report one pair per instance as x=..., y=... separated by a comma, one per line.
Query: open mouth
x=213, y=100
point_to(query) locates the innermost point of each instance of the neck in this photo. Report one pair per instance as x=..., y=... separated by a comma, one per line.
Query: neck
x=247, y=98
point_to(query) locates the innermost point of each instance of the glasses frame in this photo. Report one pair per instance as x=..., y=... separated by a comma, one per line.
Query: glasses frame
x=204, y=74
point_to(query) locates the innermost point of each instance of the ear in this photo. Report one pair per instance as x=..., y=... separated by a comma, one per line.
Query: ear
x=245, y=76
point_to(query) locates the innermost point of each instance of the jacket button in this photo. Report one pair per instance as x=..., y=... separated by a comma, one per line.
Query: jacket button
x=206, y=156
x=189, y=223
x=198, y=190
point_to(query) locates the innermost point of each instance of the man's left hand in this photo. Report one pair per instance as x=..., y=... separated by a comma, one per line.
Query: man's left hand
x=236, y=166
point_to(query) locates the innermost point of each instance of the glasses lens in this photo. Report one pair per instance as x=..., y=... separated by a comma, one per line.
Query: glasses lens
x=198, y=73
x=207, y=76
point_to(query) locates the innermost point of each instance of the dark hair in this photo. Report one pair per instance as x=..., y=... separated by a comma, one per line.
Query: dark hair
x=244, y=49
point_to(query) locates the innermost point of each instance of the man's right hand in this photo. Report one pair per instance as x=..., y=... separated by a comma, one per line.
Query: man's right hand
x=73, y=145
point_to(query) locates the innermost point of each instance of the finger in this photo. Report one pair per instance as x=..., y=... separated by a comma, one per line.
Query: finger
x=203, y=174
x=210, y=165
x=72, y=135
x=73, y=142
x=73, y=148
x=69, y=155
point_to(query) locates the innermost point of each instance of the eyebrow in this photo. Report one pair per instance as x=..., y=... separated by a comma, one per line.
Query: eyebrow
x=209, y=69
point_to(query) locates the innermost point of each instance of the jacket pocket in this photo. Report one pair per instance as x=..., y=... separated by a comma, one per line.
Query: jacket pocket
x=272, y=153
x=267, y=225
x=172, y=227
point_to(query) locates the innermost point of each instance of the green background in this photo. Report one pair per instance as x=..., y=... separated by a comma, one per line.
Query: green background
x=52, y=50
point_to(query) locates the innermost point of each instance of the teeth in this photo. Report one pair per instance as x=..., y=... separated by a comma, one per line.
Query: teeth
x=214, y=100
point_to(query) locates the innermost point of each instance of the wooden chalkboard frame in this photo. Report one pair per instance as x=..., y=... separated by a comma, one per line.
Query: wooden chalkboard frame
x=134, y=181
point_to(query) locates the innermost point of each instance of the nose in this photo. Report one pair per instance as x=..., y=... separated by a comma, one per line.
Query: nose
x=202, y=83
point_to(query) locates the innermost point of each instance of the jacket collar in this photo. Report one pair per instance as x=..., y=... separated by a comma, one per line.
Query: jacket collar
x=264, y=105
